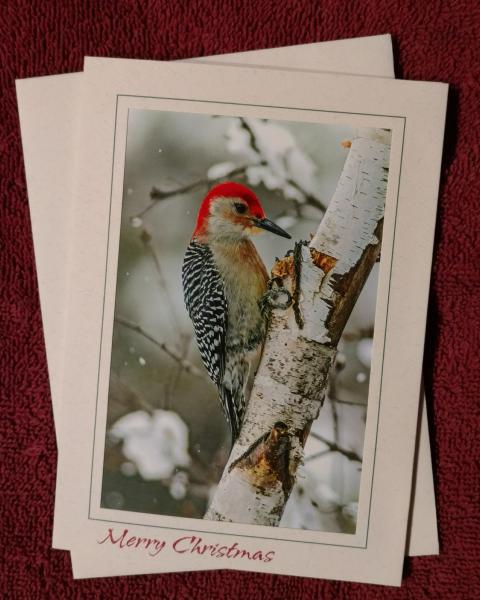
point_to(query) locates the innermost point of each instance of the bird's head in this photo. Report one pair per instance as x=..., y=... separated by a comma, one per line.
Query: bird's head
x=232, y=211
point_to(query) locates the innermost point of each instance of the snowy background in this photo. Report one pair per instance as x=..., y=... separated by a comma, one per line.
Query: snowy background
x=166, y=442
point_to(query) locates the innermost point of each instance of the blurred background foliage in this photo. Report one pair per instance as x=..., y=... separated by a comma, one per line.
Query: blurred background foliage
x=166, y=439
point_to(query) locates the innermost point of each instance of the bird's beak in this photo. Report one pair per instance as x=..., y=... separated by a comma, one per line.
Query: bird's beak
x=271, y=226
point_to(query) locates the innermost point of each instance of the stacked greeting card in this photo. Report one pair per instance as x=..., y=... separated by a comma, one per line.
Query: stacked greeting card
x=234, y=257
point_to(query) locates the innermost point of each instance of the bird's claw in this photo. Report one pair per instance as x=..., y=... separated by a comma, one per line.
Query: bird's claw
x=277, y=296
x=274, y=281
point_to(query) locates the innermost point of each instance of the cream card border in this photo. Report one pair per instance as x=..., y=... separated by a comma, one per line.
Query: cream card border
x=423, y=105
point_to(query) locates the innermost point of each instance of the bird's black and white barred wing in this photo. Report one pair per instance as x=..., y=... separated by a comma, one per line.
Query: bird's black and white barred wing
x=207, y=307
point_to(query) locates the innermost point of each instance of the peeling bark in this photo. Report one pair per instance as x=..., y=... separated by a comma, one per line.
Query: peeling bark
x=324, y=280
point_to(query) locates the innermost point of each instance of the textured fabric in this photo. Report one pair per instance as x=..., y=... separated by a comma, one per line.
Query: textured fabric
x=434, y=39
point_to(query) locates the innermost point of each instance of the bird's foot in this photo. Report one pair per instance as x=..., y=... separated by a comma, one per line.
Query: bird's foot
x=276, y=296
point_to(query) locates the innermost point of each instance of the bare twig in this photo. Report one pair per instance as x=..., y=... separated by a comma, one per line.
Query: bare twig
x=147, y=242
x=351, y=336
x=317, y=455
x=332, y=389
x=175, y=325
x=184, y=345
x=187, y=366
x=347, y=402
x=157, y=194
x=333, y=447
x=253, y=138
x=309, y=199
x=122, y=399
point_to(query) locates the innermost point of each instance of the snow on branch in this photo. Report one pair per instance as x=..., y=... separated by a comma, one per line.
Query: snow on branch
x=269, y=155
x=324, y=280
x=275, y=160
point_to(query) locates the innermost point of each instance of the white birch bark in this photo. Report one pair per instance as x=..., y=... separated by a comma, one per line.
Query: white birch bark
x=324, y=280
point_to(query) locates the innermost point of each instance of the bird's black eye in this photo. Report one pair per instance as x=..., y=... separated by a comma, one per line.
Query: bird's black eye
x=240, y=207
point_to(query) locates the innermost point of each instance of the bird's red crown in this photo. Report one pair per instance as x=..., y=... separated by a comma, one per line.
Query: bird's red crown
x=228, y=189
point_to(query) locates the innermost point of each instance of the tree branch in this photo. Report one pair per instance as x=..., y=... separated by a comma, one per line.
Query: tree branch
x=346, y=402
x=175, y=325
x=123, y=400
x=300, y=346
x=333, y=447
x=157, y=194
x=187, y=366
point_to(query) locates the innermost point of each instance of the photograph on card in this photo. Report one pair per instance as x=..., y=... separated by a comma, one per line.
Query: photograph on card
x=245, y=300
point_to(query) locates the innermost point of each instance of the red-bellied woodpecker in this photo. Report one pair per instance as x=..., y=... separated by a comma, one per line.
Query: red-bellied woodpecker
x=224, y=282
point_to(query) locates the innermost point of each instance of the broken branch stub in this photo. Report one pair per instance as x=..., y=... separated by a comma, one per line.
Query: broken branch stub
x=324, y=280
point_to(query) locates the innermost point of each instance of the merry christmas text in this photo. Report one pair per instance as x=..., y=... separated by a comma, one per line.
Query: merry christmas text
x=189, y=544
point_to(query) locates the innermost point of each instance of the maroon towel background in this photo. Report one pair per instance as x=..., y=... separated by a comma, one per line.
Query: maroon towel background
x=434, y=40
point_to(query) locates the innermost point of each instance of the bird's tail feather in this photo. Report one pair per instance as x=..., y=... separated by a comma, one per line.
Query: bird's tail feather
x=230, y=406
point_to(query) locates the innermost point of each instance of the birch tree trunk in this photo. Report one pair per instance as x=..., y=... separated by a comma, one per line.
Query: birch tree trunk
x=324, y=280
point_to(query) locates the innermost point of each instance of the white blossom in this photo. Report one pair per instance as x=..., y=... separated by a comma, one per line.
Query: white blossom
x=287, y=221
x=136, y=222
x=274, y=158
x=350, y=511
x=156, y=444
x=364, y=351
x=127, y=468
x=178, y=486
x=238, y=143
x=312, y=505
x=220, y=170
